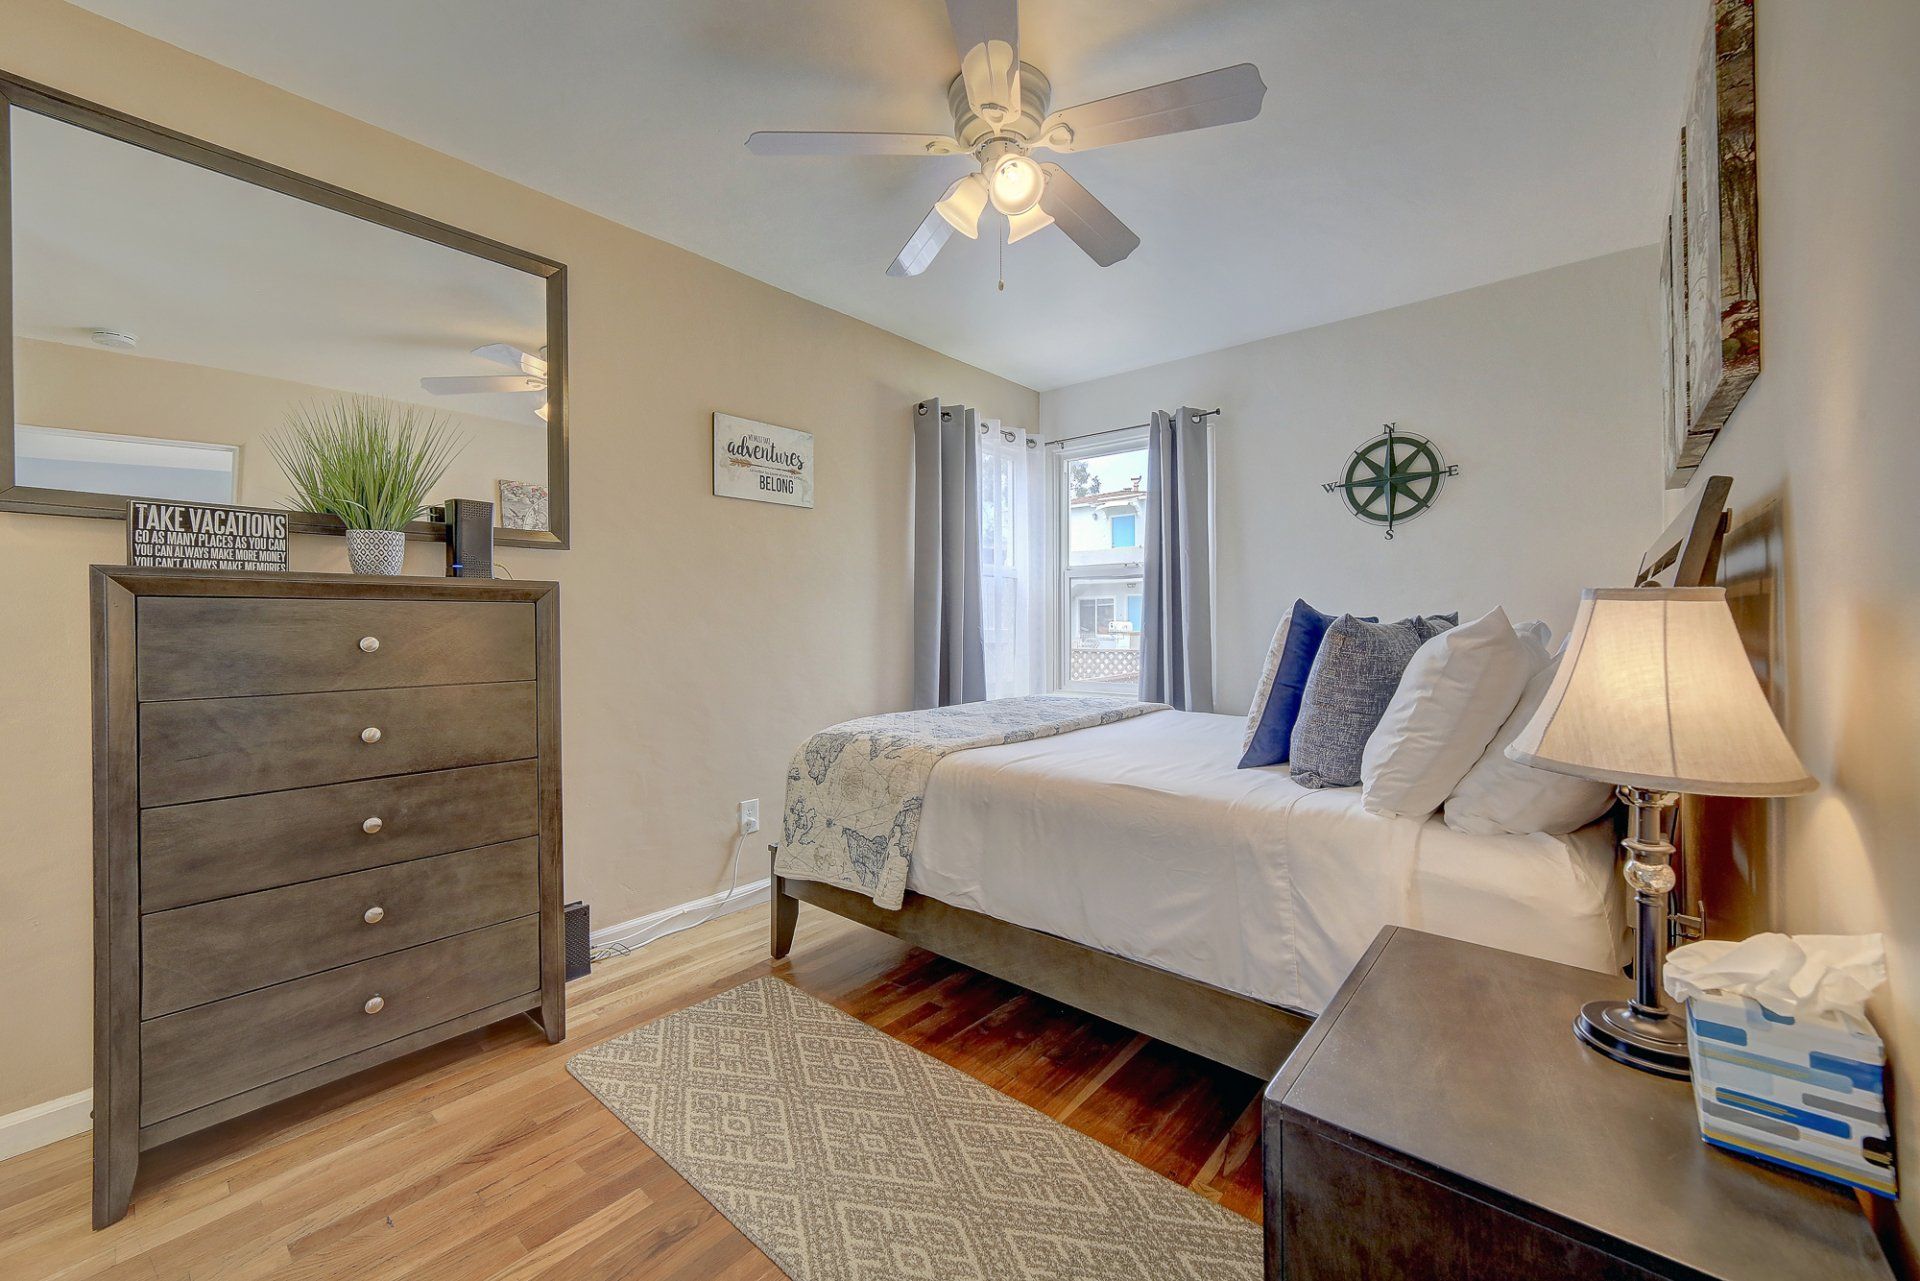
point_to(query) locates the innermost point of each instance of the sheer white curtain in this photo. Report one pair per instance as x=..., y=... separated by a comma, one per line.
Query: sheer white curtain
x=1012, y=561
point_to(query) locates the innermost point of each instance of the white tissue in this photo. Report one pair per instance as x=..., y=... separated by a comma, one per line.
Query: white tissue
x=1798, y=976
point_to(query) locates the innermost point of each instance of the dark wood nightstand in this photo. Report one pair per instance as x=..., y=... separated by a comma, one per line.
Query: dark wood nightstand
x=1440, y=1121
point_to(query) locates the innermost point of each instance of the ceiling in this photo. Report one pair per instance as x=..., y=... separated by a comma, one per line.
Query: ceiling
x=1407, y=148
x=207, y=270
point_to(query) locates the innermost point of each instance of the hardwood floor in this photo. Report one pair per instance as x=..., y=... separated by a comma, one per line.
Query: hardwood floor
x=482, y=1158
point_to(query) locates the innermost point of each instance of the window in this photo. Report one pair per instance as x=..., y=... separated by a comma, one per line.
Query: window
x=1098, y=493
x=1096, y=619
x=142, y=466
x=1010, y=562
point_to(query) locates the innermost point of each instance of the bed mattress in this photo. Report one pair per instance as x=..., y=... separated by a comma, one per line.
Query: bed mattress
x=1143, y=839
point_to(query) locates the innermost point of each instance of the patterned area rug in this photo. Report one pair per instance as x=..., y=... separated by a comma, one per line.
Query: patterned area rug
x=847, y=1156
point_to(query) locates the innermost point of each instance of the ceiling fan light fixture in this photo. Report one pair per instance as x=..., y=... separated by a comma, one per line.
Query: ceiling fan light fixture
x=1017, y=184
x=1022, y=225
x=542, y=411
x=962, y=205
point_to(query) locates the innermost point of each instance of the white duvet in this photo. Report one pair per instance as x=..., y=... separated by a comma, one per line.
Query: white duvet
x=1144, y=840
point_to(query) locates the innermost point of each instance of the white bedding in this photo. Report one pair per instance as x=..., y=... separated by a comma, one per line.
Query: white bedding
x=1143, y=839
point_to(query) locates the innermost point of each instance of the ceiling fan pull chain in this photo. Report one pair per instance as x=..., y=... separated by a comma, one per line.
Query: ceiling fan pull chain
x=1003, y=262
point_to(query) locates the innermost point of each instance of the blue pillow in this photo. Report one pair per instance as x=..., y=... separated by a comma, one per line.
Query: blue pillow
x=1298, y=642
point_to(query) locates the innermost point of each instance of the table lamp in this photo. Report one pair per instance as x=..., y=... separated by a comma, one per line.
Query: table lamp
x=1655, y=695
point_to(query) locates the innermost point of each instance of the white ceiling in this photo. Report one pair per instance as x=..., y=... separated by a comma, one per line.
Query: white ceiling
x=1408, y=148
x=206, y=270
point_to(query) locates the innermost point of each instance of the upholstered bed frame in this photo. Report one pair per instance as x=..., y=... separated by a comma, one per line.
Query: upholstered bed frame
x=1224, y=1026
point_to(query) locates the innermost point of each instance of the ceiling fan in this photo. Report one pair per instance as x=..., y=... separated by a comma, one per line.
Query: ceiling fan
x=531, y=378
x=1000, y=116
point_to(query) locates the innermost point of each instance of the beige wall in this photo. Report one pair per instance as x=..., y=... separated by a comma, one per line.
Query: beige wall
x=93, y=389
x=1541, y=388
x=702, y=637
x=1829, y=438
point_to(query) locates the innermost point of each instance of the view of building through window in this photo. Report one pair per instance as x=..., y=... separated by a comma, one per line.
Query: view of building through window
x=1102, y=577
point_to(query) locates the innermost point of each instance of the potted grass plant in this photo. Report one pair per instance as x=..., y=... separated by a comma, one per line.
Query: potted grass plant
x=372, y=463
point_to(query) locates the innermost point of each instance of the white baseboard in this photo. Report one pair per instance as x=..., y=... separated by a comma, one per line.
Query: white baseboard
x=57, y=1119
x=45, y=1123
x=642, y=930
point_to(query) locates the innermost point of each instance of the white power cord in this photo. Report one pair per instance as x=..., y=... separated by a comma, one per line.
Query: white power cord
x=609, y=951
x=733, y=884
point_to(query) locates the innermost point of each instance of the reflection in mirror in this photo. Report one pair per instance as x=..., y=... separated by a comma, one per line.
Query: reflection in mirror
x=168, y=320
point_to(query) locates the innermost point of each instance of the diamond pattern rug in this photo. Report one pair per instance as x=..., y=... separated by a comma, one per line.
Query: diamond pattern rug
x=847, y=1156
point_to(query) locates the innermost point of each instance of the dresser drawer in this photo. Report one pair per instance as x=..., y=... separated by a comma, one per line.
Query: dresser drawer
x=204, y=647
x=205, y=1054
x=199, y=749
x=192, y=955
x=215, y=849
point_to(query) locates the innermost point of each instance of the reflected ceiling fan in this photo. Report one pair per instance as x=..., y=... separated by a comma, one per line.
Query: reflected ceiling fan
x=1000, y=116
x=531, y=378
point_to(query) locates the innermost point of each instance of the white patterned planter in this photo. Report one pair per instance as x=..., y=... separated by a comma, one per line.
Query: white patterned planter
x=376, y=551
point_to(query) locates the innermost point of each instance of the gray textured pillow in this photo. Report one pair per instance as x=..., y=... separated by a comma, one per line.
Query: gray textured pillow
x=1353, y=679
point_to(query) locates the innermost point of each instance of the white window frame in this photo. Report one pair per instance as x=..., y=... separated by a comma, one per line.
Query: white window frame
x=1060, y=575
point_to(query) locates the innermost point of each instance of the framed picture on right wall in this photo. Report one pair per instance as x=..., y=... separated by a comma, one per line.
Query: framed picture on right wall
x=1710, y=272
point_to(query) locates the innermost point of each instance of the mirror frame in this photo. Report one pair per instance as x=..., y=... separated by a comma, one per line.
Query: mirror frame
x=24, y=95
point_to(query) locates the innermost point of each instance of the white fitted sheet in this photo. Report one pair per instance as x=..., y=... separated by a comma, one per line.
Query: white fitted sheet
x=1143, y=839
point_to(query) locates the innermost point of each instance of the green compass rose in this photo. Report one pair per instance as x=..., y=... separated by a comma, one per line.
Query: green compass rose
x=1392, y=478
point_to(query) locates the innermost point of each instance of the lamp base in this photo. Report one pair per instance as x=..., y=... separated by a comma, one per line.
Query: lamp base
x=1626, y=1036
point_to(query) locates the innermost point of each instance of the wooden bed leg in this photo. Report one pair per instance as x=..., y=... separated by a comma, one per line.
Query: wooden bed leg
x=786, y=912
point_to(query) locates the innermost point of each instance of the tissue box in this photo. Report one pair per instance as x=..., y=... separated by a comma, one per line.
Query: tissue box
x=1806, y=1093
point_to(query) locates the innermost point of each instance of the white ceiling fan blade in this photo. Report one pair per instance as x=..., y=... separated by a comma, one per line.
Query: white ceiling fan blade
x=480, y=383
x=987, y=35
x=503, y=353
x=793, y=143
x=1220, y=97
x=1087, y=222
x=924, y=245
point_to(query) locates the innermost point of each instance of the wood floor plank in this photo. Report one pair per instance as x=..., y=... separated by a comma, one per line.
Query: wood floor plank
x=482, y=1159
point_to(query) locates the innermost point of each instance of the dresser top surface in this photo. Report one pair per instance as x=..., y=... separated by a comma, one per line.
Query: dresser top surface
x=1462, y=1060
x=143, y=580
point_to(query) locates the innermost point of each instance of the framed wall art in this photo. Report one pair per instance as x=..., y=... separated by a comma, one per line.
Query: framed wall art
x=1710, y=276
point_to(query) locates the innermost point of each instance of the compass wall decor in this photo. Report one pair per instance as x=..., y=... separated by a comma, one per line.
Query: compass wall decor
x=1392, y=478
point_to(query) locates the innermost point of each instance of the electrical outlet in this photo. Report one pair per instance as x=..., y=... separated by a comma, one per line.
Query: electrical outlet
x=750, y=816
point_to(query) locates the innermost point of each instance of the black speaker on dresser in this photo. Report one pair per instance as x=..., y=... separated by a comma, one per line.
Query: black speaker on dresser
x=469, y=538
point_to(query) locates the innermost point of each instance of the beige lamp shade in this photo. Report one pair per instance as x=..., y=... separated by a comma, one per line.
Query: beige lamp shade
x=1655, y=691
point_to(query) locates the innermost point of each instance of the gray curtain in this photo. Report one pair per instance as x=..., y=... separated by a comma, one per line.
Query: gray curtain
x=1176, y=645
x=949, y=658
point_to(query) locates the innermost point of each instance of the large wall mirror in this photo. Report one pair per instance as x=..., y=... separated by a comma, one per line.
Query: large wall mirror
x=174, y=305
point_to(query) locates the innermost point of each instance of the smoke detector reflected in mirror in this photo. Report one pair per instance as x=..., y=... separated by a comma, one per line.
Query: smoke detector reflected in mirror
x=115, y=339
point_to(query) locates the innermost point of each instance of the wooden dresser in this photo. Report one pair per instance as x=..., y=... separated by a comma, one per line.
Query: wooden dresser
x=326, y=834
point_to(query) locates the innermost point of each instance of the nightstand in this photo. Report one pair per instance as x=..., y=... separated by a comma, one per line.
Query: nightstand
x=1440, y=1121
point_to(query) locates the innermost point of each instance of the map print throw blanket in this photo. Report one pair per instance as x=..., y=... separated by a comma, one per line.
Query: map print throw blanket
x=854, y=791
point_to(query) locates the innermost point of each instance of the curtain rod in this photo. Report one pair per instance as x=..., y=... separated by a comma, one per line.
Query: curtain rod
x=1114, y=431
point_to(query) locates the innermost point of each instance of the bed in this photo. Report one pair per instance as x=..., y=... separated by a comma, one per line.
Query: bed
x=1131, y=870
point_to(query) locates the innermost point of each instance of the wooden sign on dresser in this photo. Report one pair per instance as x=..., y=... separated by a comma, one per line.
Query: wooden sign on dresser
x=326, y=834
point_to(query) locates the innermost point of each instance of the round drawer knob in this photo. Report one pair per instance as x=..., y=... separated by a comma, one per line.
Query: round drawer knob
x=375, y=1004
x=374, y=915
x=371, y=734
x=369, y=643
x=372, y=825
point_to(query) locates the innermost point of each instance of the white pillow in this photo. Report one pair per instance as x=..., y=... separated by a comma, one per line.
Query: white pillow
x=1267, y=673
x=1455, y=694
x=1539, y=641
x=1502, y=795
